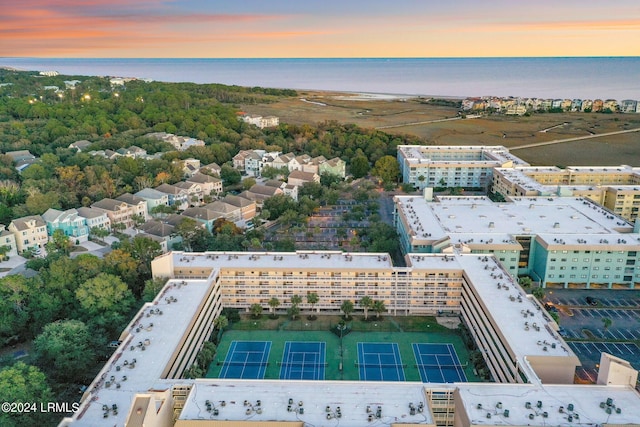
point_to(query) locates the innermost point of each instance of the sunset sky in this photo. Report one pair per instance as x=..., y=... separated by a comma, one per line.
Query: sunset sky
x=318, y=28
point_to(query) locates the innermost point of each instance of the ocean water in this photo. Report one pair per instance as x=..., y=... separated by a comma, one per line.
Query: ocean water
x=583, y=78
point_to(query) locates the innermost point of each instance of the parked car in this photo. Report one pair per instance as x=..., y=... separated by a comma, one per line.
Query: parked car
x=592, y=301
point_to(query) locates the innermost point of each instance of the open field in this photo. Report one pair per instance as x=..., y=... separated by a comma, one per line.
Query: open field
x=413, y=116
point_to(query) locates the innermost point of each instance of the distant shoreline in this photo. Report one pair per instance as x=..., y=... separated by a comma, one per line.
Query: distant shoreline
x=454, y=78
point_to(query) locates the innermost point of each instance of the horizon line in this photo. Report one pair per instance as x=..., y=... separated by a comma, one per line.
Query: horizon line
x=327, y=57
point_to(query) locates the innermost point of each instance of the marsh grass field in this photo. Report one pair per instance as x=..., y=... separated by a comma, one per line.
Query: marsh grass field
x=414, y=116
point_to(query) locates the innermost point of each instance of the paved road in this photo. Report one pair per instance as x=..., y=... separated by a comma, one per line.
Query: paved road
x=577, y=138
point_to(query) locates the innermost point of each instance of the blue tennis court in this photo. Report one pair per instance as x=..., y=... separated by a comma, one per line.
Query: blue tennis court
x=303, y=361
x=379, y=362
x=438, y=363
x=246, y=360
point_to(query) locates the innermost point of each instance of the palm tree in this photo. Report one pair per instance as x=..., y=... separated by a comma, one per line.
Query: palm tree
x=296, y=300
x=221, y=322
x=312, y=299
x=378, y=307
x=273, y=304
x=256, y=310
x=347, y=308
x=366, y=303
x=606, y=322
x=293, y=311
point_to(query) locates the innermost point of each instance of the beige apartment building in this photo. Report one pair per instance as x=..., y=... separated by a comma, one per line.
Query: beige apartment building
x=531, y=364
x=615, y=187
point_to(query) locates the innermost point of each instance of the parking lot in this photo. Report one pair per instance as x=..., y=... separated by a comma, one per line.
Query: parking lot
x=581, y=313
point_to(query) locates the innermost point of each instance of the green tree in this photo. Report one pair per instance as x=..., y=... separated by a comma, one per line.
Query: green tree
x=366, y=303
x=274, y=303
x=105, y=301
x=296, y=300
x=14, y=307
x=387, y=169
x=123, y=265
x=64, y=350
x=59, y=243
x=221, y=322
x=99, y=233
x=359, y=167
x=247, y=183
x=193, y=234
x=293, y=312
x=538, y=293
x=152, y=287
x=606, y=322
x=347, y=308
x=24, y=383
x=256, y=310
x=229, y=175
x=312, y=300
x=378, y=307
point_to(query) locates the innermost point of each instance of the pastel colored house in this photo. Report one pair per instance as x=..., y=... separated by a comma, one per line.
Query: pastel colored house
x=95, y=218
x=153, y=198
x=8, y=239
x=30, y=232
x=73, y=225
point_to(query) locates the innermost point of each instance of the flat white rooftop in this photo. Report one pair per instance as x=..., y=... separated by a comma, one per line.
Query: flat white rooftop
x=299, y=259
x=479, y=154
x=472, y=219
x=137, y=364
x=315, y=403
x=482, y=399
x=522, y=322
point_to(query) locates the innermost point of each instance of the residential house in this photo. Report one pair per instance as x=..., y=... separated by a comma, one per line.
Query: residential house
x=297, y=163
x=610, y=105
x=261, y=122
x=202, y=215
x=73, y=225
x=80, y=145
x=259, y=193
x=22, y=159
x=287, y=189
x=576, y=105
x=153, y=198
x=597, y=106
x=194, y=191
x=249, y=161
x=30, y=232
x=335, y=166
x=132, y=152
x=247, y=207
x=268, y=158
x=119, y=212
x=628, y=106
x=587, y=105
x=178, y=197
x=313, y=165
x=8, y=239
x=209, y=184
x=95, y=218
x=138, y=204
x=211, y=169
x=227, y=211
x=282, y=161
x=180, y=143
x=189, y=166
x=238, y=159
x=161, y=232
x=300, y=178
